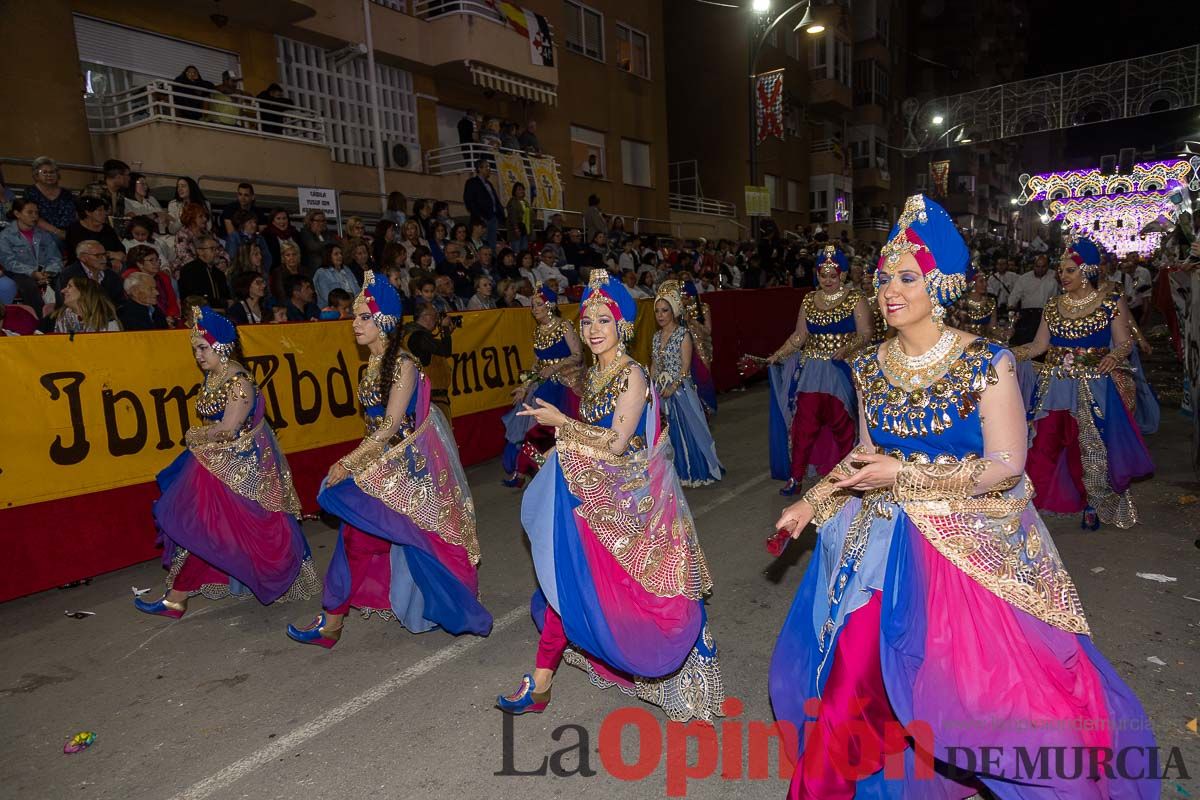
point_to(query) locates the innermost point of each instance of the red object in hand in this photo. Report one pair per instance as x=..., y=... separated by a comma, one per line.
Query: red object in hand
x=779, y=541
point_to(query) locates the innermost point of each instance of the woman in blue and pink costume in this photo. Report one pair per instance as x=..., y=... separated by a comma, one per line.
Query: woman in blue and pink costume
x=696, y=461
x=812, y=395
x=407, y=548
x=228, y=518
x=935, y=607
x=622, y=577
x=698, y=317
x=559, y=360
x=1087, y=448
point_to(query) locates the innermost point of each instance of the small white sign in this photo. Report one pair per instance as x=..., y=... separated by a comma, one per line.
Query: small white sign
x=316, y=199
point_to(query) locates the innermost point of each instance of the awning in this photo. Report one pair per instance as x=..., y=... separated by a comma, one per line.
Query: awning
x=515, y=85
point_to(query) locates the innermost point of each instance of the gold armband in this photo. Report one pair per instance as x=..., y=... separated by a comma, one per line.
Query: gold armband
x=578, y=433
x=954, y=481
x=825, y=498
x=1021, y=352
x=362, y=456
x=792, y=344
x=1122, y=350
x=205, y=434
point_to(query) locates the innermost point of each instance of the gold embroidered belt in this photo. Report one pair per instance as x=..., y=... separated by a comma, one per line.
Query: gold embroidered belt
x=824, y=345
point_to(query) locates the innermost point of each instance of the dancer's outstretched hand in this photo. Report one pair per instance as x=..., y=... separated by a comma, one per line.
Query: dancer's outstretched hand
x=544, y=413
x=878, y=471
x=795, y=518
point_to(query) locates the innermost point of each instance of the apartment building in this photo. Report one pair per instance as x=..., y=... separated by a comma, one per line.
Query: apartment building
x=100, y=81
x=836, y=163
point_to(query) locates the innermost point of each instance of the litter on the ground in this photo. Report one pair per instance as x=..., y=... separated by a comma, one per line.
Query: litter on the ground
x=1156, y=661
x=1193, y=599
x=1187, y=499
x=80, y=614
x=1097, y=570
x=139, y=592
x=80, y=741
x=1154, y=576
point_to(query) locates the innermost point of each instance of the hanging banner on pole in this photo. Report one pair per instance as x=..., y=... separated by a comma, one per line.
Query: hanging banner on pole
x=531, y=25
x=768, y=104
x=758, y=201
x=939, y=178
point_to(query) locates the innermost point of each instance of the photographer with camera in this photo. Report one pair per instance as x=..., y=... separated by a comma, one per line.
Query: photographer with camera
x=429, y=339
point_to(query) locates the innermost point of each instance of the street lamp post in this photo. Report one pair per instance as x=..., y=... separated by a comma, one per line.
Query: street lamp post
x=760, y=29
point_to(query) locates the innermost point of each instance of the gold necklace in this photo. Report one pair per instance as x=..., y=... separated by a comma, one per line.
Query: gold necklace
x=598, y=378
x=1070, y=308
x=918, y=372
x=830, y=300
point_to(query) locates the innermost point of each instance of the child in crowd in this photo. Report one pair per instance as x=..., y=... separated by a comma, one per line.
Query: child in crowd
x=339, y=305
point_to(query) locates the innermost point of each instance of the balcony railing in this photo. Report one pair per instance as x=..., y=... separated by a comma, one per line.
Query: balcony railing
x=701, y=205
x=460, y=158
x=189, y=105
x=872, y=224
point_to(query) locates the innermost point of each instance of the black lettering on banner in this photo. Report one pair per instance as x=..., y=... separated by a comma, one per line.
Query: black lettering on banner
x=120, y=445
x=491, y=368
x=337, y=407
x=62, y=454
x=508, y=752
x=262, y=369
x=180, y=398
x=512, y=353
x=580, y=749
x=468, y=365
x=309, y=415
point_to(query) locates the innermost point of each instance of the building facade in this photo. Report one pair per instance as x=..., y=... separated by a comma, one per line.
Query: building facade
x=835, y=164
x=109, y=88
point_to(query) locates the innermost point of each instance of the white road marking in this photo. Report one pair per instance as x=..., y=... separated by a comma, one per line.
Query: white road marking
x=244, y=766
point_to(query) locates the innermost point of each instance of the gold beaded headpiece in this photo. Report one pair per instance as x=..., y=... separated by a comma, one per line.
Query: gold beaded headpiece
x=926, y=232
x=214, y=330
x=671, y=293
x=605, y=290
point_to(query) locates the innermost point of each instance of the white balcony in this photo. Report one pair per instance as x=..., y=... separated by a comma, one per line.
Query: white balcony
x=701, y=205
x=458, y=159
x=167, y=101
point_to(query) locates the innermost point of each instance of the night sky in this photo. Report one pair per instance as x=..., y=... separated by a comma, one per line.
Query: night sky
x=1071, y=35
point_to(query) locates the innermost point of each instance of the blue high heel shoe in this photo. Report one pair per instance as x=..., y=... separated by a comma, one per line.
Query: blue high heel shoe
x=515, y=481
x=161, y=607
x=1090, y=520
x=315, y=633
x=790, y=488
x=525, y=699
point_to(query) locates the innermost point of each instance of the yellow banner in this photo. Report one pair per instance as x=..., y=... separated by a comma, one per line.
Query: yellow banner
x=510, y=167
x=98, y=411
x=545, y=177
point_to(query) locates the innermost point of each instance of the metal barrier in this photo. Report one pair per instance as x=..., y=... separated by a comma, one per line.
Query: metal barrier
x=701, y=205
x=872, y=224
x=188, y=105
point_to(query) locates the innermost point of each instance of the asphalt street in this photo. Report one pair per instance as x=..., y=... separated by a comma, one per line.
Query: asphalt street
x=222, y=705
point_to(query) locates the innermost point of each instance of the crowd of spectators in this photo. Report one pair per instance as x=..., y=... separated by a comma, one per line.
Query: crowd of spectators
x=113, y=256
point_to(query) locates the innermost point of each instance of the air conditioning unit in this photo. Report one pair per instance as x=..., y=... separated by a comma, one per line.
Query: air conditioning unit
x=965, y=183
x=402, y=155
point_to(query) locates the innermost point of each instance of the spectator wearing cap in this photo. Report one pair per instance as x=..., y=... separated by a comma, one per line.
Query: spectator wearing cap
x=140, y=311
x=244, y=201
x=93, y=224
x=91, y=262
x=56, y=205
x=29, y=255
x=482, y=200
x=204, y=277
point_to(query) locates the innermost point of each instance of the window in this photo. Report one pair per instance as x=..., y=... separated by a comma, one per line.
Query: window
x=585, y=30
x=587, y=153
x=341, y=94
x=773, y=189
x=793, y=195
x=633, y=51
x=883, y=25
x=635, y=163
x=841, y=61
x=818, y=206
x=818, y=57
x=860, y=154
x=870, y=83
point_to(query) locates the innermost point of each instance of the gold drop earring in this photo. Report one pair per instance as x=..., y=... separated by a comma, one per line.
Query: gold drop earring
x=939, y=317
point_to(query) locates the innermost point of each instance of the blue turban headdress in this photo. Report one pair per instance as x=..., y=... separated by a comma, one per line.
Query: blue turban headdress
x=381, y=299
x=215, y=329
x=604, y=289
x=831, y=255
x=1086, y=255
x=927, y=232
